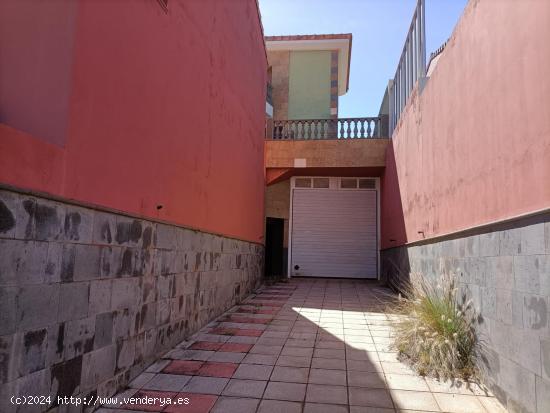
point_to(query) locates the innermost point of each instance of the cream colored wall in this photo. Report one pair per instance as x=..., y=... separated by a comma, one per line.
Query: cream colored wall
x=277, y=203
x=326, y=153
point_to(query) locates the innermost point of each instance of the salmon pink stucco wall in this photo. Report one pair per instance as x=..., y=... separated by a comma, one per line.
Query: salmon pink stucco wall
x=474, y=147
x=166, y=108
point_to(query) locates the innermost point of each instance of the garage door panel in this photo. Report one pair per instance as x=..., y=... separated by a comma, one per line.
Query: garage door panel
x=334, y=233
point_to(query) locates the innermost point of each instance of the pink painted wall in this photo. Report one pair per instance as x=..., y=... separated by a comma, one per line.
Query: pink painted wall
x=36, y=54
x=474, y=147
x=165, y=108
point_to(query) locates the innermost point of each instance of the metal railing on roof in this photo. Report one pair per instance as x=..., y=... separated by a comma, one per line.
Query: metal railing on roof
x=411, y=67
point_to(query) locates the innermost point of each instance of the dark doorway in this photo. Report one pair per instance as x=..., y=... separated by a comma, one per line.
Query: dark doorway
x=274, y=235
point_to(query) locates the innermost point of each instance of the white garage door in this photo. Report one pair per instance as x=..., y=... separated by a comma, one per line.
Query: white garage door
x=334, y=233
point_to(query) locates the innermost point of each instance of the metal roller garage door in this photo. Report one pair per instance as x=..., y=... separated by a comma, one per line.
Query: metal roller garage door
x=334, y=233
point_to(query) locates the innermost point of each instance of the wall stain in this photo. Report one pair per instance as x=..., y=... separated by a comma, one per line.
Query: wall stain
x=7, y=220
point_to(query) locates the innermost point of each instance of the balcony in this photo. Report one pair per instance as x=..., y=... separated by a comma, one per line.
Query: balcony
x=326, y=147
x=342, y=128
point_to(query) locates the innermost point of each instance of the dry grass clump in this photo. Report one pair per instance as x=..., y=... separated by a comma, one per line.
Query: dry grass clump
x=436, y=332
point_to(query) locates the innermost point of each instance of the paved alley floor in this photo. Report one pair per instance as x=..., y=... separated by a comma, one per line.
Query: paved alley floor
x=309, y=345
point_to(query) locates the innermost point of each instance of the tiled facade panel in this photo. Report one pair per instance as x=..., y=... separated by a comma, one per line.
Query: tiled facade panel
x=89, y=298
x=506, y=273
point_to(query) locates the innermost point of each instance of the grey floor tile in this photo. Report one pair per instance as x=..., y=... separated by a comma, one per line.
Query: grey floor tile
x=322, y=393
x=279, y=406
x=285, y=391
x=167, y=382
x=253, y=372
x=245, y=388
x=235, y=405
x=206, y=385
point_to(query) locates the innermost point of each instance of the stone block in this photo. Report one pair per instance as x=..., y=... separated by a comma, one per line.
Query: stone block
x=8, y=358
x=129, y=231
x=488, y=302
x=33, y=351
x=532, y=239
x=66, y=272
x=86, y=262
x=37, y=383
x=527, y=273
x=518, y=382
x=79, y=337
x=143, y=262
x=125, y=353
x=100, y=296
x=543, y=263
x=163, y=311
x=545, y=357
x=186, y=237
x=104, y=225
x=543, y=395
x=535, y=312
x=56, y=336
x=6, y=391
x=98, y=366
x=104, y=325
x=166, y=237
x=73, y=301
x=147, y=317
x=510, y=241
x=45, y=219
x=164, y=262
x=547, y=237
x=126, y=263
x=78, y=224
x=500, y=271
x=504, y=306
x=25, y=227
x=22, y=262
x=9, y=202
x=165, y=286
x=8, y=314
x=125, y=293
x=148, y=289
x=65, y=377
x=122, y=323
x=109, y=261
x=489, y=244
x=517, y=309
x=37, y=306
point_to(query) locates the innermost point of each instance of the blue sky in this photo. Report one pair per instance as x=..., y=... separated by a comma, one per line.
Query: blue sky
x=379, y=28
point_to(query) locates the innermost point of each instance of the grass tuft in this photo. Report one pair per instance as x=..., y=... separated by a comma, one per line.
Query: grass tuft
x=435, y=330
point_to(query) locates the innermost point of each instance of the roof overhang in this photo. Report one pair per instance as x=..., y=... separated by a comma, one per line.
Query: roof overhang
x=342, y=43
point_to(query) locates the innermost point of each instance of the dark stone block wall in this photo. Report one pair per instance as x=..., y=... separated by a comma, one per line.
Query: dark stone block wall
x=89, y=298
x=505, y=270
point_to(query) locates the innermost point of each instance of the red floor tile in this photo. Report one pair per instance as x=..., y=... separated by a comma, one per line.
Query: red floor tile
x=247, y=320
x=214, y=369
x=223, y=331
x=150, y=405
x=183, y=367
x=236, y=347
x=198, y=403
x=206, y=345
x=236, y=332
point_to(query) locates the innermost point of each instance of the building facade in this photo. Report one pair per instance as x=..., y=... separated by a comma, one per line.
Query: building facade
x=131, y=170
x=322, y=196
